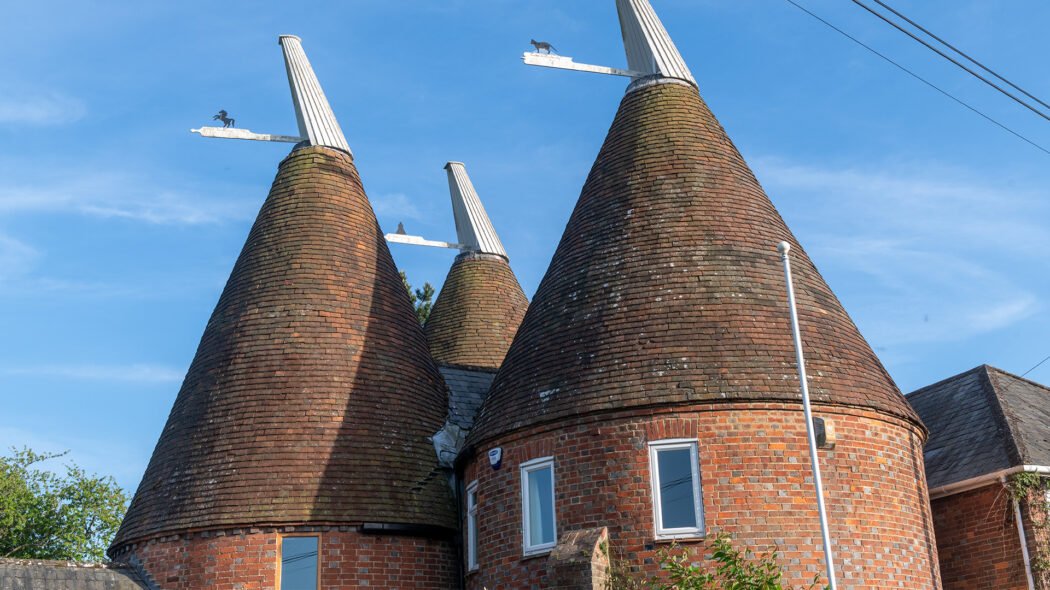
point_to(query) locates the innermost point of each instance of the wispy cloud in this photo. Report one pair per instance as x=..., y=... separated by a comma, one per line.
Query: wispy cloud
x=142, y=373
x=396, y=206
x=933, y=243
x=16, y=257
x=922, y=201
x=103, y=456
x=46, y=109
x=123, y=196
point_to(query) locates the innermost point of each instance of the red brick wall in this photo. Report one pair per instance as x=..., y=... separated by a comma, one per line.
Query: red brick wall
x=1036, y=511
x=756, y=485
x=977, y=540
x=246, y=559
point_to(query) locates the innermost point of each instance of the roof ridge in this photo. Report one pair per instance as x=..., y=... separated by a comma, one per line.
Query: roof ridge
x=1018, y=377
x=1014, y=448
x=931, y=386
x=70, y=563
x=1013, y=421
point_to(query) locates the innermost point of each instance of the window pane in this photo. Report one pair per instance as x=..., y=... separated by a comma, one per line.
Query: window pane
x=677, y=507
x=541, y=508
x=472, y=526
x=299, y=563
x=472, y=539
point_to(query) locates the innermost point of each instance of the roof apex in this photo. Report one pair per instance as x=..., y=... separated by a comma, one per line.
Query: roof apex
x=316, y=120
x=473, y=228
x=665, y=291
x=981, y=421
x=648, y=46
x=313, y=321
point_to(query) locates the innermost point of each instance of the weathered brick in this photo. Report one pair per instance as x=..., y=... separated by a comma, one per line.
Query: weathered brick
x=977, y=539
x=477, y=312
x=756, y=484
x=663, y=315
x=347, y=559
x=667, y=288
x=312, y=392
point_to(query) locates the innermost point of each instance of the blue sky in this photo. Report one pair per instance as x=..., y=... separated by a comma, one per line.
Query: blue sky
x=118, y=227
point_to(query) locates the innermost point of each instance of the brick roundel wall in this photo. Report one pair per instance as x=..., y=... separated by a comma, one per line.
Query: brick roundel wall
x=246, y=559
x=756, y=484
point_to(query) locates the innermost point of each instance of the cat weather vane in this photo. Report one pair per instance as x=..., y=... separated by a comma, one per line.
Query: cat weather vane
x=650, y=52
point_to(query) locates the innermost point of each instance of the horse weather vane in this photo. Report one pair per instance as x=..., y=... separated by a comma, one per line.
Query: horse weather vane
x=317, y=123
x=227, y=121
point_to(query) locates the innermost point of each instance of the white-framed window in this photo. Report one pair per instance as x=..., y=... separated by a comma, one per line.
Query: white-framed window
x=472, y=525
x=298, y=565
x=677, y=506
x=539, y=533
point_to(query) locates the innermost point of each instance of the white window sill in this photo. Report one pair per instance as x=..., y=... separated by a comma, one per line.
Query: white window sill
x=536, y=553
x=690, y=536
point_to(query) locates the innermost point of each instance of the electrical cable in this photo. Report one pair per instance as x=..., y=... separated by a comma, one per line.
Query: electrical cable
x=953, y=60
x=961, y=52
x=921, y=79
x=1036, y=366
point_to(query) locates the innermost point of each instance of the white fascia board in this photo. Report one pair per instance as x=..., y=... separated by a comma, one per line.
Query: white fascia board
x=983, y=480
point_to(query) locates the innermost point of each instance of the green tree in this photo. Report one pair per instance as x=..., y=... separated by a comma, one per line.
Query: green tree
x=733, y=569
x=47, y=515
x=421, y=298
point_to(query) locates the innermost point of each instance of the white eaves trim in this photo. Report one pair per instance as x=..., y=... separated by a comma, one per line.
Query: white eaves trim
x=983, y=480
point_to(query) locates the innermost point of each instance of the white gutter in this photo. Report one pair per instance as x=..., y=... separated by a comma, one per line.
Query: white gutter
x=1024, y=540
x=983, y=480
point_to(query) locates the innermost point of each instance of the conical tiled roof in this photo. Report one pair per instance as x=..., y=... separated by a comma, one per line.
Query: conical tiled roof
x=477, y=312
x=481, y=303
x=666, y=288
x=312, y=393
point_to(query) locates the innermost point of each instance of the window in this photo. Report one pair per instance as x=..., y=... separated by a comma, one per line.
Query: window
x=298, y=567
x=677, y=508
x=537, y=505
x=472, y=526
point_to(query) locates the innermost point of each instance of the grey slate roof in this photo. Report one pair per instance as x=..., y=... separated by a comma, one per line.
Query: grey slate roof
x=982, y=421
x=35, y=574
x=467, y=388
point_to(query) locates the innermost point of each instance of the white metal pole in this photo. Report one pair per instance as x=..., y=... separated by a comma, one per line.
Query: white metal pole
x=1024, y=539
x=784, y=248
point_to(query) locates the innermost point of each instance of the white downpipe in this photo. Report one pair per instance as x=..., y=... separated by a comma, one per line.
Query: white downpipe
x=1024, y=541
x=784, y=248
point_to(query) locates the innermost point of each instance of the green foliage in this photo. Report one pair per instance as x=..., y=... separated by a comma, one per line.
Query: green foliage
x=733, y=569
x=1029, y=490
x=421, y=298
x=1022, y=483
x=45, y=515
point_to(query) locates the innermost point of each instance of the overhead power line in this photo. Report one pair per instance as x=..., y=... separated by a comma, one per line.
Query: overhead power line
x=1015, y=98
x=962, y=53
x=921, y=79
x=1036, y=366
